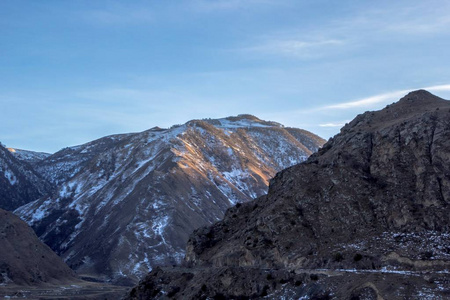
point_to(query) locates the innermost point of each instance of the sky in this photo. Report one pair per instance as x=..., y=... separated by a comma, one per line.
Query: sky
x=74, y=71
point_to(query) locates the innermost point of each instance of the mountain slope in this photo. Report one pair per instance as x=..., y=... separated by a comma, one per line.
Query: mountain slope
x=24, y=259
x=132, y=200
x=367, y=217
x=19, y=182
x=31, y=157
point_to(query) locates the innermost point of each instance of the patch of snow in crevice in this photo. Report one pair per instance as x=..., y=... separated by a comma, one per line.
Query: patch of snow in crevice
x=159, y=227
x=10, y=176
x=5, y=279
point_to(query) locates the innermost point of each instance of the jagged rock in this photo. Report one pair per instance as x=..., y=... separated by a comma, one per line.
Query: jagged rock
x=372, y=204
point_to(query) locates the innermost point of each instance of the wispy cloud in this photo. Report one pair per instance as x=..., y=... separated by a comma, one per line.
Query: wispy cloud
x=437, y=88
x=226, y=5
x=382, y=98
x=334, y=124
x=366, y=102
x=119, y=16
x=353, y=31
x=295, y=47
x=421, y=19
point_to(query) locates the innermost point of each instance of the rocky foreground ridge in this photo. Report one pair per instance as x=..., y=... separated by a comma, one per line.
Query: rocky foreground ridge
x=367, y=217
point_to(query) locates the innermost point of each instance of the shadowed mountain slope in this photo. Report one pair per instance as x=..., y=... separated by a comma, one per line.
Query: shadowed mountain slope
x=19, y=182
x=24, y=259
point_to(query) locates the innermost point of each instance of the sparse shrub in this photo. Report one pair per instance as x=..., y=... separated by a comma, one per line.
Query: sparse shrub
x=427, y=254
x=338, y=257
x=357, y=257
x=173, y=291
x=219, y=296
x=314, y=277
x=265, y=290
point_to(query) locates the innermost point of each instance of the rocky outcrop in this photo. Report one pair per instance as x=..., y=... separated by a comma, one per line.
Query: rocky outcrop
x=372, y=204
x=19, y=182
x=129, y=202
x=24, y=259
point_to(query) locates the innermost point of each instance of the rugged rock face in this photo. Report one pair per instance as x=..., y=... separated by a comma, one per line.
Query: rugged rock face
x=19, y=182
x=132, y=200
x=24, y=259
x=370, y=207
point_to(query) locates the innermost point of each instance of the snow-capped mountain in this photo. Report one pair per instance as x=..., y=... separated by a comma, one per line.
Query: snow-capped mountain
x=19, y=182
x=129, y=202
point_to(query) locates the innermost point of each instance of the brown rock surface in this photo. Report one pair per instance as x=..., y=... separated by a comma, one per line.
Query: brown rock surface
x=370, y=211
x=24, y=259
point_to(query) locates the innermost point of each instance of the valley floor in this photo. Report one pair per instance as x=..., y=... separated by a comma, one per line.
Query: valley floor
x=78, y=291
x=257, y=283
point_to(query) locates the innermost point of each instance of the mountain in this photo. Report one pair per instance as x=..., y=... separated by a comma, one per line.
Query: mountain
x=24, y=259
x=367, y=217
x=129, y=202
x=31, y=157
x=19, y=182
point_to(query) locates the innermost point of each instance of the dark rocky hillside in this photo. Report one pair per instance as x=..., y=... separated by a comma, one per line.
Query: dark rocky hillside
x=127, y=203
x=367, y=217
x=31, y=157
x=25, y=260
x=19, y=182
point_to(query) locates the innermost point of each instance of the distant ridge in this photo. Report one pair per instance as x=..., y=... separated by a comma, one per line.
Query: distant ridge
x=20, y=183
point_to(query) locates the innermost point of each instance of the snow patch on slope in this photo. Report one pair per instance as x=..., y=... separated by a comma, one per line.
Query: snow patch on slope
x=10, y=176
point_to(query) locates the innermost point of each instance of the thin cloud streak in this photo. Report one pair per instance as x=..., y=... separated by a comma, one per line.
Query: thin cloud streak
x=337, y=124
x=294, y=47
x=119, y=16
x=382, y=98
x=228, y=5
x=348, y=34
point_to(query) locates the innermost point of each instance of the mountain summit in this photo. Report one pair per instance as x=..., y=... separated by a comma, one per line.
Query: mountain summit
x=127, y=203
x=367, y=217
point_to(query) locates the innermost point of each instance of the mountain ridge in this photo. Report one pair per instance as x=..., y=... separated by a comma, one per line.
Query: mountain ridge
x=129, y=202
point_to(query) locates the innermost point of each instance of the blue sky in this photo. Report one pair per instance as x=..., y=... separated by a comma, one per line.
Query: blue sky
x=74, y=71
